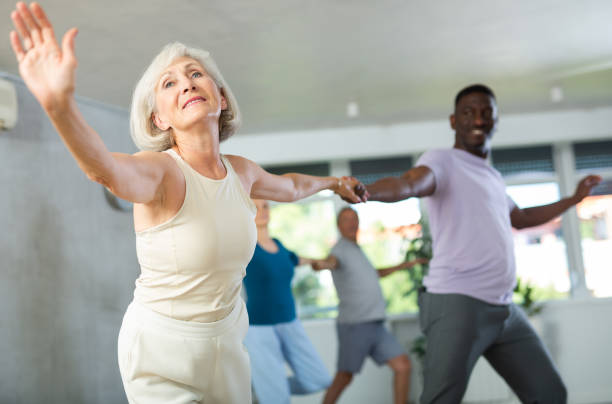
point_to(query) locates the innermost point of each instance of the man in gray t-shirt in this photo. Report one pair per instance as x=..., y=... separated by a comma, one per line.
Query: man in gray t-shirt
x=356, y=282
x=466, y=310
x=361, y=313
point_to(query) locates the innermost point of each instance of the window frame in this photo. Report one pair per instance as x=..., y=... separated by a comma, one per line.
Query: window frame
x=575, y=175
x=564, y=174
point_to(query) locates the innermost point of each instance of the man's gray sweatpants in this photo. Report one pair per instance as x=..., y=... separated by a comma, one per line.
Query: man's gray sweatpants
x=460, y=328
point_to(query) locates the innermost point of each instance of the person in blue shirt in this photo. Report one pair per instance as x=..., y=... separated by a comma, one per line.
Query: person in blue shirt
x=276, y=337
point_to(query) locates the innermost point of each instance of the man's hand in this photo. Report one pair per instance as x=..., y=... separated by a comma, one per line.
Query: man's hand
x=317, y=265
x=584, y=187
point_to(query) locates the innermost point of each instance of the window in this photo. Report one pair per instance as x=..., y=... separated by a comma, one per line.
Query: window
x=595, y=216
x=523, y=161
x=321, y=169
x=308, y=228
x=371, y=170
x=384, y=232
x=593, y=155
x=540, y=252
x=386, y=228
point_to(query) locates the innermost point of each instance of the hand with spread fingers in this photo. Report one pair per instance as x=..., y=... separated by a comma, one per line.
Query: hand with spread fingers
x=351, y=190
x=47, y=69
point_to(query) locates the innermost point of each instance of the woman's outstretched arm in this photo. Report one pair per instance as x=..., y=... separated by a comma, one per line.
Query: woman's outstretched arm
x=48, y=71
x=292, y=186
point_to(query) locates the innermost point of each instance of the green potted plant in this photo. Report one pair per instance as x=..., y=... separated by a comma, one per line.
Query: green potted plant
x=419, y=247
x=523, y=296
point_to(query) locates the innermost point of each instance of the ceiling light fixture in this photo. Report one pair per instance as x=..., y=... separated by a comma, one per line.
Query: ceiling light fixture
x=352, y=109
x=556, y=94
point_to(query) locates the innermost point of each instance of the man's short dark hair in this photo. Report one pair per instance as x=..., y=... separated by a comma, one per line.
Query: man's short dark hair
x=474, y=88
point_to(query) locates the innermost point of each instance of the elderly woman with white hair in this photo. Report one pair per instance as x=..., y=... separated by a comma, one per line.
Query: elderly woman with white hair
x=181, y=337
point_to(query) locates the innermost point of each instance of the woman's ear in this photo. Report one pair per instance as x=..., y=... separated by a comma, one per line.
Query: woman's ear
x=160, y=123
x=223, y=99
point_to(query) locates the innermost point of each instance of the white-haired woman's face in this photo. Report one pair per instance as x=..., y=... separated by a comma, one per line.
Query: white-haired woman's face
x=185, y=95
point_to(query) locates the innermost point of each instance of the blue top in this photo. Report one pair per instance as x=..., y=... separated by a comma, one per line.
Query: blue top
x=268, y=286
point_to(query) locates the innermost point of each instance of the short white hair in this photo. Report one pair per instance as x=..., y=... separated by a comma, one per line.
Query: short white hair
x=145, y=133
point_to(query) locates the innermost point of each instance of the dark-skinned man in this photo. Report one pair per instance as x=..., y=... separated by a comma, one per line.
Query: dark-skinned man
x=466, y=307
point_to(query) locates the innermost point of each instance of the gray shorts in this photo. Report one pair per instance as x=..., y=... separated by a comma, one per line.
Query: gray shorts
x=356, y=341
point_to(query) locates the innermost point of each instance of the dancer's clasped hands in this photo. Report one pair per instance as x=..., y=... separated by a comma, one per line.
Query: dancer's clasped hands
x=352, y=190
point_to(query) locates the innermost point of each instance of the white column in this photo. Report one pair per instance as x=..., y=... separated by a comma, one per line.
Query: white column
x=565, y=168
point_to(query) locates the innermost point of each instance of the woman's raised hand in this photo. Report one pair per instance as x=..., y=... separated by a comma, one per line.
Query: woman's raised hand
x=47, y=69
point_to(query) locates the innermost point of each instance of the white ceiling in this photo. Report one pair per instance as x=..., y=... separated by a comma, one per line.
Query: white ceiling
x=296, y=64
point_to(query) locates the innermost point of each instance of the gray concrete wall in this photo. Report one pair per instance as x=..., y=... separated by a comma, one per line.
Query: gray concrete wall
x=67, y=264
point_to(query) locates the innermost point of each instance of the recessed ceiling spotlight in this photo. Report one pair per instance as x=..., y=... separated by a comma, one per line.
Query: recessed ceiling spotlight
x=352, y=109
x=556, y=94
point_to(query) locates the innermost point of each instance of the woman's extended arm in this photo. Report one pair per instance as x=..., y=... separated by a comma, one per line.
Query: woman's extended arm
x=382, y=272
x=290, y=187
x=48, y=70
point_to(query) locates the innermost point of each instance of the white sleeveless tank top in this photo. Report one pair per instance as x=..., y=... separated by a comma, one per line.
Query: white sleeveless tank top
x=192, y=265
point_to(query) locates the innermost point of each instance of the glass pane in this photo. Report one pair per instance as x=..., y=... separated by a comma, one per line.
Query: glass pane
x=523, y=160
x=320, y=169
x=371, y=170
x=384, y=232
x=308, y=229
x=541, y=258
x=591, y=155
x=595, y=214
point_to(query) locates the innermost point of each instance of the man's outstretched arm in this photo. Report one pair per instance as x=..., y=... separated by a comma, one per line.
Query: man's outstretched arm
x=418, y=181
x=537, y=215
x=330, y=262
x=382, y=272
